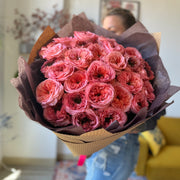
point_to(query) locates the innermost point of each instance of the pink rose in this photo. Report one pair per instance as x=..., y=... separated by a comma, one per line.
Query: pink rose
x=49, y=113
x=99, y=95
x=96, y=51
x=69, y=42
x=59, y=71
x=87, y=119
x=122, y=98
x=79, y=57
x=63, y=118
x=148, y=91
x=52, y=51
x=139, y=101
x=57, y=118
x=49, y=92
x=131, y=81
x=85, y=36
x=132, y=52
x=76, y=82
x=100, y=71
x=110, y=45
x=110, y=114
x=145, y=71
x=75, y=102
x=134, y=63
x=116, y=60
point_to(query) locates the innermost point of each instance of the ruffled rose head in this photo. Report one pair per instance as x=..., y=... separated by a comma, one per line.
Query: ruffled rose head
x=96, y=50
x=116, y=60
x=99, y=95
x=68, y=42
x=131, y=81
x=57, y=118
x=100, y=71
x=110, y=45
x=122, y=98
x=76, y=82
x=110, y=114
x=85, y=37
x=88, y=120
x=148, y=91
x=79, y=57
x=134, y=63
x=139, y=101
x=75, y=102
x=59, y=71
x=52, y=51
x=49, y=92
x=132, y=52
x=63, y=118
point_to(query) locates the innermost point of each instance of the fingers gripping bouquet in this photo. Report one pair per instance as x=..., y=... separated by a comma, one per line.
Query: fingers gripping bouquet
x=90, y=86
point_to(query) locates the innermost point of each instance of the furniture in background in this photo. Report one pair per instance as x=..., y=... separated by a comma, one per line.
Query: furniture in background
x=161, y=160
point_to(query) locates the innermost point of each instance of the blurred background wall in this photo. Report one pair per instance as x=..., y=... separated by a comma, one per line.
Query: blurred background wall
x=30, y=139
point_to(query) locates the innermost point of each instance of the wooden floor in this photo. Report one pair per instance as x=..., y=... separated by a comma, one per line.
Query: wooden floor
x=31, y=173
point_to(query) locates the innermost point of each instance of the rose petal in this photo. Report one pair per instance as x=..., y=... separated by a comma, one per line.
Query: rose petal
x=100, y=71
x=49, y=92
x=88, y=120
x=79, y=57
x=122, y=98
x=75, y=102
x=59, y=71
x=110, y=114
x=131, y=81
x=52, y=51
x=99, y=94
x=139, y=101
x=76, y=82
x=116, y=60
x=85, y=36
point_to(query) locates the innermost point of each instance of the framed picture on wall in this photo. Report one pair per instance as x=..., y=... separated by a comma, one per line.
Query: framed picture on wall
x=106, y=5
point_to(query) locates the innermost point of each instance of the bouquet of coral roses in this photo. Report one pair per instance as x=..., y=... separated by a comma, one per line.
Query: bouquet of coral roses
x=90, y=86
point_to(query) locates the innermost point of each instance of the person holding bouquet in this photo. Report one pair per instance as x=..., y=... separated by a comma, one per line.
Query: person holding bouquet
x=117, y=160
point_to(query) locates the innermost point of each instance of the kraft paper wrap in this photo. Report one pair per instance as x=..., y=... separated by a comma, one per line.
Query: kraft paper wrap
x=87, y=143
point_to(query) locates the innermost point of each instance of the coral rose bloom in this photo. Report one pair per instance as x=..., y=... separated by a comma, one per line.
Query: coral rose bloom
x=116, y=60
x=59, y=71
x=49, y=92
x=132, y=52
x=56, y=118
x=52, y=51
x=131, y=81
x=75, y=102
x=110, y=45
x=122, y=98
x=110, y=114
x=79, y=57
x=100, y=71
x=66, y=41
x=139, y=101
x=99, y=94
x=87, y=119
x=76, y=82
x=85, y=36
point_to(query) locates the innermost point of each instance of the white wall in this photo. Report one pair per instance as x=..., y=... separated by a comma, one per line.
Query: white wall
x=1, y=67
x=32, y=141
x=163, y=16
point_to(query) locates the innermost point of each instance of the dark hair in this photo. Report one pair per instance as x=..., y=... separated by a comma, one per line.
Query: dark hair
x=126, y=15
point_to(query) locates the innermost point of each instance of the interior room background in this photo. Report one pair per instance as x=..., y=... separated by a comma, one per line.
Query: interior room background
x=27, y=140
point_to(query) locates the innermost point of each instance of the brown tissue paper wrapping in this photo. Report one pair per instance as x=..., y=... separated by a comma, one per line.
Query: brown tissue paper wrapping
x=78, y=141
